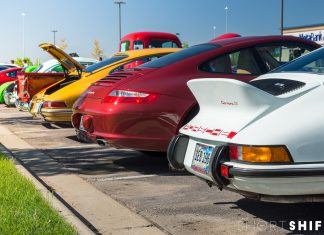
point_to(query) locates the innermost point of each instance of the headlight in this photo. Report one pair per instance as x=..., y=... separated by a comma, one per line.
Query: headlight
x=265, y=154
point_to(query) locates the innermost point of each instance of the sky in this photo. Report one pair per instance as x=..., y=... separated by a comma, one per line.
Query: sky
x=80, y=22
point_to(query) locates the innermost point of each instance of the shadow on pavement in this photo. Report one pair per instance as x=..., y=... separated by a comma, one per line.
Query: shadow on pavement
x=25, y=120
x=49, y=125
x=280, y=215
x=93, y=161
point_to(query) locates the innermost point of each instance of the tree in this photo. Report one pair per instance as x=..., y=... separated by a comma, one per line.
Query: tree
x=19, y=61
x=63, y=44
x=97, y=52
x=185, y=44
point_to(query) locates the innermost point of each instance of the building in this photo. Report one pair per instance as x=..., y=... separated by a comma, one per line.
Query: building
x=311, y=32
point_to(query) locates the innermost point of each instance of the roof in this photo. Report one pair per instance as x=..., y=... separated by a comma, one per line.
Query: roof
x=149, y=34
x=11, y=69
x=149, y=51
x=252, y=39
x=303, y=26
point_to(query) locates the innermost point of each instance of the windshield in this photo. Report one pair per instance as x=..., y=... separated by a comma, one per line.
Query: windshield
x=180, y=55
x=312, y=63
x=103, y=63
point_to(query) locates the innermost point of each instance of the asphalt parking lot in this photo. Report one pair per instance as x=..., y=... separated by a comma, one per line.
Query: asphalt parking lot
x=178, y=203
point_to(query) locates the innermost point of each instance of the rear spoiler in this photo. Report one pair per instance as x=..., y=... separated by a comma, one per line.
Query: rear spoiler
x=226, y=107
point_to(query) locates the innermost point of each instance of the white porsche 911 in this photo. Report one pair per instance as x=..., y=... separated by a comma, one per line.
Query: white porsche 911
x=263, y=139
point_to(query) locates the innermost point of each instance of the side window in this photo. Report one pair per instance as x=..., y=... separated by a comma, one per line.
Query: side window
x=86, y=63
x=239, y=62
x=138, y=44
x=135, y=63
x=12, y=74
x=276, y=55
x=169, y=44
x=124, y=46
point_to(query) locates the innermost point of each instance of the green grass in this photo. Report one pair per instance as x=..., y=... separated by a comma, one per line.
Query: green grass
x=23, y=210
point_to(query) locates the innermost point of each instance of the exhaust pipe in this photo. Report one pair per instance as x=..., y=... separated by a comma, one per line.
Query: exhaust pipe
x=102, y=142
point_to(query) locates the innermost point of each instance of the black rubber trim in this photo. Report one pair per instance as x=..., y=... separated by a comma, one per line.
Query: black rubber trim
x=220, y=181
x=285, y=172
x=171, y=151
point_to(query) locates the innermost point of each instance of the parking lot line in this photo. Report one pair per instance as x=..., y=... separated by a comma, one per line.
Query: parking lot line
x=126, y=177
x=22, y=121
x=79, y=146
x=32, y=131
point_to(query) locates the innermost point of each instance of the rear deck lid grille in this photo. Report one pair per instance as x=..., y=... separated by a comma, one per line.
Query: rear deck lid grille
x=277, y=86
x=112, y=79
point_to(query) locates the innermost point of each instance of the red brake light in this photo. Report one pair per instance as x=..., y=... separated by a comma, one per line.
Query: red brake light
x=224, y=171
x=234, y=152
x=54, y=104
x=126, y=96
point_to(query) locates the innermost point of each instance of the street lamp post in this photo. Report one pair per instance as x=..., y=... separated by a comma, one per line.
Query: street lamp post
x=119, y=2
x=214, y=27
x=54, y=32
x=226, y=9
x=281, y=18
x=23, y=34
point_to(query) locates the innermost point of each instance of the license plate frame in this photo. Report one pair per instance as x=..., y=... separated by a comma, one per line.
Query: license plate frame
x=201, y=158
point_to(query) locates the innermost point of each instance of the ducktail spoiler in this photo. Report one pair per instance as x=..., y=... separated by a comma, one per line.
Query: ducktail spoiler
x=226, y=107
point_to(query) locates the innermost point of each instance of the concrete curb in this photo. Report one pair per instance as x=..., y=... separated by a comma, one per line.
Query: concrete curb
x=55, y=202
x=102, y=213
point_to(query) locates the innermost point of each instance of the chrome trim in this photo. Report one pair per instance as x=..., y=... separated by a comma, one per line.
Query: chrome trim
x=56, y=111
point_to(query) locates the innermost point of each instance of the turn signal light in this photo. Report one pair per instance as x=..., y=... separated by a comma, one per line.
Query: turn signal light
x=259, y=154
x=54, y=104
x=126, y=96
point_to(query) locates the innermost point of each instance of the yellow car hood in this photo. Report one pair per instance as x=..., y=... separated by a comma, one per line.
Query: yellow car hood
x=67, y=62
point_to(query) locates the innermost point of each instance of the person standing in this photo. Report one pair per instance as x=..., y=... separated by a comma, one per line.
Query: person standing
x=25, y=63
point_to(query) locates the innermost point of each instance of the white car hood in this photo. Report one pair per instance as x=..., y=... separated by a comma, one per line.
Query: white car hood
x=228, y=106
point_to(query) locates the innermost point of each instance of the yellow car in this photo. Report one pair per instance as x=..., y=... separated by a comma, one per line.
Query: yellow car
x=54, y=103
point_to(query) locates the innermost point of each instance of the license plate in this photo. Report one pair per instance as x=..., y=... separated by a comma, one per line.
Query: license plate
x=201, y=158
x=37, y=107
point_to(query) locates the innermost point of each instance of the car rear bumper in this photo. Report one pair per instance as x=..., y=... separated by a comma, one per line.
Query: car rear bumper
x=22, y=106
x=276, y=180
x=294, y=182
x=56, y=115
x=124, y=128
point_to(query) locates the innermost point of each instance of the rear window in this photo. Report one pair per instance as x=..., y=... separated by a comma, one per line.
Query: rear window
x=178, y=56
x=103, y=63
x=162, y=44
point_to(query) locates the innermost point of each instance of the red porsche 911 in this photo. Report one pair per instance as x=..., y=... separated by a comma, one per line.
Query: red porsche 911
x=143, y=108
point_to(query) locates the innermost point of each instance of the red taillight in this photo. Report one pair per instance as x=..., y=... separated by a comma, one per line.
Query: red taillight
x=224, y=171
x=125, y=96
x=87, y=123
x=54, y=104
x=234, y=152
